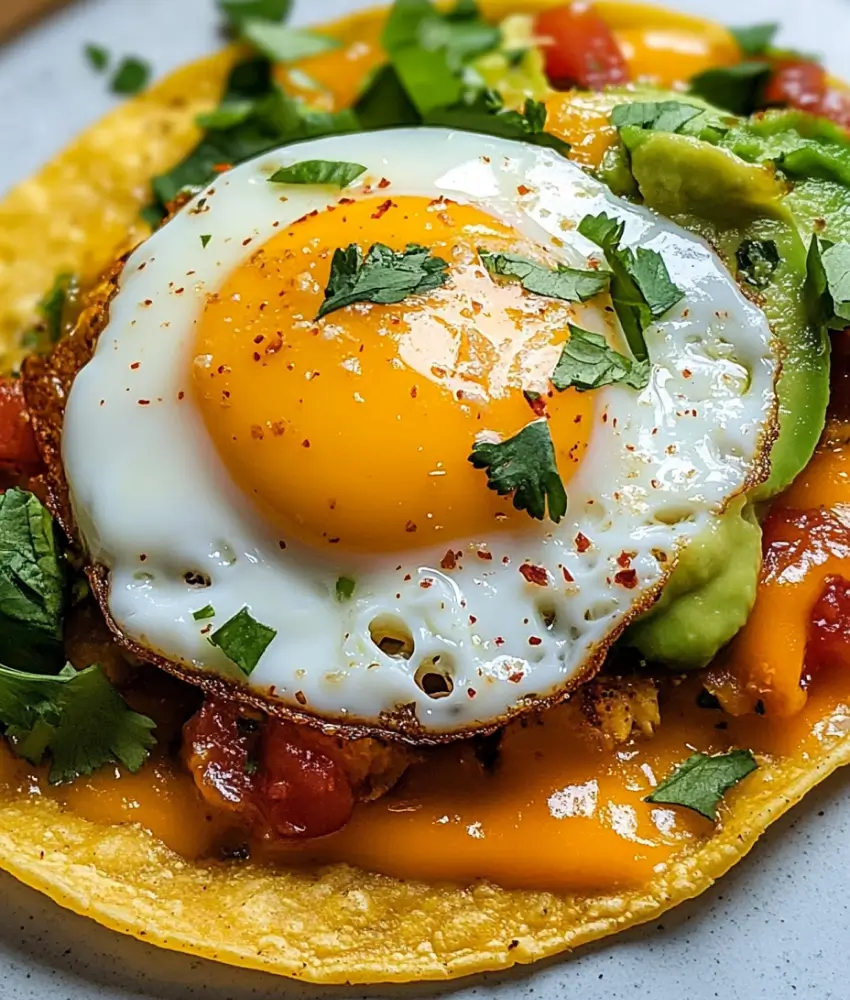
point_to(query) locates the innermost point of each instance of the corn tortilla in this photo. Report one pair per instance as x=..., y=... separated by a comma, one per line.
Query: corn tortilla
x=336, y=923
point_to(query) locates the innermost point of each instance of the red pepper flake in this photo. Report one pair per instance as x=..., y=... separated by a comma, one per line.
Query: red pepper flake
x=142, y=557
x=346, y=201
x=413, y=392
x=472, y=619
x=568, y=576
x=626, y=578
x=499, y=641
x=205, y=629
x=536, y=402
x=523, y=190
x=135, y=365
x=222, y=168
x=245, y=242
x=179, y=291
x=257, y=432
x=449, y=560
x=470, y=692
x=148, y=302
x=484, y=555
x=181, y=394
x=516, y=677
x=259, y=338
x=144, y=402
x=426, y=583
x=407, y=577
x=410, y=527
x=687, y=372
x=506, y=560
x=382, y=210
x=334, y=541
x=383, y=183
x=305, y=443
x=281, y=544
x=582, y=542
x=278, y=428
x=300, y=697
x=535, y=574
x=624, y=559
x=534, y=640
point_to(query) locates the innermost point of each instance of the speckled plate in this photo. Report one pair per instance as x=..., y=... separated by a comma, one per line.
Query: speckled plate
x=777, y=927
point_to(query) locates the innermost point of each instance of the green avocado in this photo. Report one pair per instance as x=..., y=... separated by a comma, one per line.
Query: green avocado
x=718, y=177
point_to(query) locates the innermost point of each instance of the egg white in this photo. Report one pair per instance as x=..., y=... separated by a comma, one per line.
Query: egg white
x=154, y=501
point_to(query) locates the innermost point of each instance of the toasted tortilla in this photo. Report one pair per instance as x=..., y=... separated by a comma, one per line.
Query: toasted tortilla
x=329, y=924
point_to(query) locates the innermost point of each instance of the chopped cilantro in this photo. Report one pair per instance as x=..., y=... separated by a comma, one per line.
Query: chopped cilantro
x=131, y=76
x=828, y=283
x=641, y=289
x=757, y=260
x=587, y=362
x=525, y=466
x=345, y=588
x=96, y=56
x=226, y=116
x=568, y=283
x=238, y=12
x=699, y=783
x=384, y=276
x=429, y=49
x=486, y=115
x=384, y=102
x=336, y=173
x=32, y=584
x=206, y=612
x=243, y=640
x=755, y=39
x=51, y=311
x=659, y=116
x=205, y=239
x=78, y=718
x=733, y=88
x=283, y=44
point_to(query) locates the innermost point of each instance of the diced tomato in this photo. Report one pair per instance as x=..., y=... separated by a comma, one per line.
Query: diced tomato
x=805, y=85
x=277, y=776
x=579, y=47
x=17, y=442
x=829, y=629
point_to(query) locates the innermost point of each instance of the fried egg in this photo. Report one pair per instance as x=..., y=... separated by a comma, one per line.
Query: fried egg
x=225, y=450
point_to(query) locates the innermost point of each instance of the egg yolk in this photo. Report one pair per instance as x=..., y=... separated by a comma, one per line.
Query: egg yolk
x=355, y=430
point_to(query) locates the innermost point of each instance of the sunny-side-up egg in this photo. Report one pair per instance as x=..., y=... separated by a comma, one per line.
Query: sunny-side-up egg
x=226, y=450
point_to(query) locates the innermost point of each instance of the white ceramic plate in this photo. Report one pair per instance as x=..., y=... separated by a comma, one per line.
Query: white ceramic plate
x=776, y=928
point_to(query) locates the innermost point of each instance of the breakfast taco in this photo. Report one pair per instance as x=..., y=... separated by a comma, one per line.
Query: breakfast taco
x=425, y=527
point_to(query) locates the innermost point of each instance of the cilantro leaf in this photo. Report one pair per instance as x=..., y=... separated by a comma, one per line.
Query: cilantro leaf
x=345, y=588
x=208, y=611
x=658, y=116
x=226, y=116
x=486, y=115
x=568, y=283
x=76, y=717
x=282, y=44
x=525, y=465
x=641, y=289
x=700, y=782
x=205, y=239
x=336, y=173
x=131, y=76
x=384, y=102
x=757, y=260
x=587, y=362
x=429, y=49
x=384, y=276
x=239, y=11
x=828, y=283
x=32, y=584
x=755, y=39
x=96, y=56
x=733, y=88
x=243, y=640
x=51, y=311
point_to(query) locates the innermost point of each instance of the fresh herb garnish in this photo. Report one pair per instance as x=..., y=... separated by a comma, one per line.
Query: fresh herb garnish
x=587, y=362
x=658, y=116
x=226, y=116
x=568, y=283
x=282, y=44
x=32, y=584
x=97, y=57
x=384, y=276
x=335, y=173
x=384, y=103
x=131, y=76
x=238, y=12
x=243, y=640
x=345, y=588
x=429, y=49
x=525, y=466
x=828, y=283
x=755, y=39
x=486, y=114
x=641, y=289
x=78, y=718
x=700, y=782
x=733, y=88
x=757, y=260
x=51, y=312
x=206, y=612
x=205, y=239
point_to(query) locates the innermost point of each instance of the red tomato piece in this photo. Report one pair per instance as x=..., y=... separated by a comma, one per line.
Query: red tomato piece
x=805, y=85
x=829, y=629
x=580, y=49
x=17, y=441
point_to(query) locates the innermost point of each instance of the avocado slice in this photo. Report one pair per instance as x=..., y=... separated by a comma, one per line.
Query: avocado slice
x=717, y=176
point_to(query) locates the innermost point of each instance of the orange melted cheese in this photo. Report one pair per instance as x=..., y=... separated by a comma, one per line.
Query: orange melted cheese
x=563, y=810
x=356, y=429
